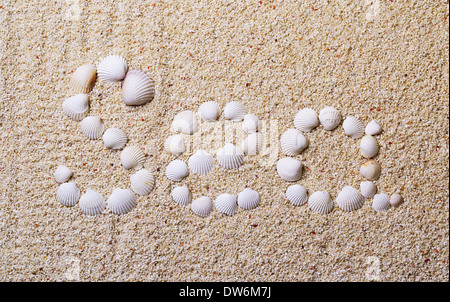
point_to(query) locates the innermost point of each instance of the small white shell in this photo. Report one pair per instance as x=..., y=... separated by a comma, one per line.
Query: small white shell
x=115, y=138
x=76, y=107
x=230, y=156
x=370, y=170
x=92, y=127
x=381, y=202
x=226, y=204
x=373, y=128
x=202, y=206
x=297, y=195
x=132, y=157
x=396, y=200
x=350, y=199
x=209, y=111
x=368, y=189
x=176, y=170
x=92, y=203
x=68, y=194
x=306, y=120
x=320, y=202
x=62, y=174
x=290, y=169
x=234, y=111
x=142, y=182
x=252, y=144
x=122, y=201
x=251, y=123
x=293, y=142
x=185, y=122
x=201, y=162
x=174, y=144
x=112, y=69
x=330, y=118
x=138, y=88
x=181, y=195
x=248, y=199
x=353, y=127
x=369, y=146
x=83, y=79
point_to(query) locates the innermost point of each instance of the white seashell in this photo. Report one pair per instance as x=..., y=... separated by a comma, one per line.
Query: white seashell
x=181, y=195
x=297, y=195
x=174, y=144
x=92, y=127
x=381, y=202
x=290, y=169
x=68, y=194
x=132, y=157
x=92, y=203
x=350, y=199
x=202, y=206
x=369, y=146
x=373, y=128
x=138, y=88
x=370, y=170
x=76, y=107
x=330, y=118
x=368, y=189
x=251, y=123
x=209, y=111
x=185, y=122
x=248, y=199
x=252, y=144
x=320, y=202
x=230, y=156
x=201, y=162
x=115, y=138
x=176, y=170
x=83, y=79
x=293, y=142
x=306, y=120
x=396, y=200
x=234, y=111
x=122, y=201
x=226, y=204
x=112, y=69
x=142, y=182
x=353, y=127
x=62, y=174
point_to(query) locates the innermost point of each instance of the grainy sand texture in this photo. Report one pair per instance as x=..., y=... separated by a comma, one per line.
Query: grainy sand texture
x=379, y=59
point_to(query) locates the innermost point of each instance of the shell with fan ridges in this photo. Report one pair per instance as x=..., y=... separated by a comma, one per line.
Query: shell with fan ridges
x=132, y=157
x=350, y=199
x=320, y=202
x=181, y=195
x=201, y=162
x=83, y=79
x=297, y=194
x=248, y=199
x=353, y=127
x=142, y=182
x=112, y=69
x=202, y=206
x=92, y=203
x=373, y=128
x=68, y=194
x=234, y=111
x=330, y=118
x=121, y=201
x=185, y=122
x=293, y=142
x=76, y=107
x=381, y=202
x=306, y=120
x=115, y=138
x=230, y=156
x=226, y=204
x=138, y=88
x=368, y=189
x=209, y=111
x=176, y=170
x=92, y=127
x=369, y=146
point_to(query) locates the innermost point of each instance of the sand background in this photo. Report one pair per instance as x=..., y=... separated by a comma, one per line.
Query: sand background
x=383, y=60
